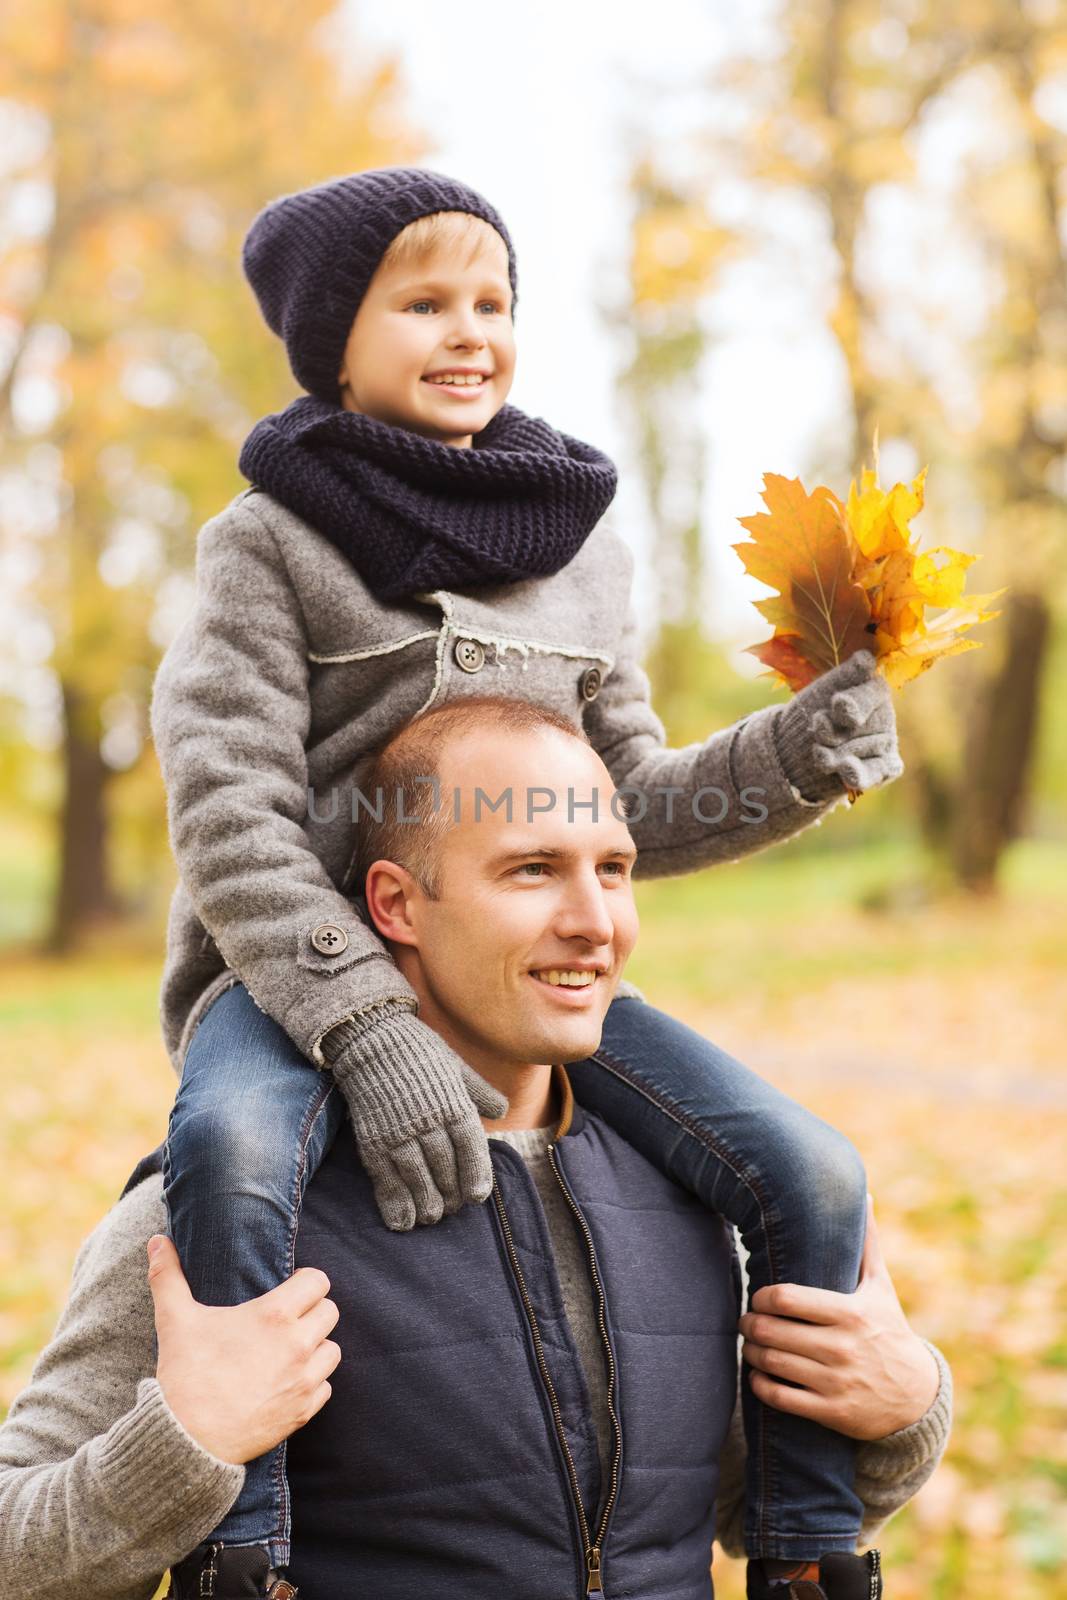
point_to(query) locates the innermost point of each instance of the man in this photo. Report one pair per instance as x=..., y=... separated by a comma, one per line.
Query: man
x=531, y=1399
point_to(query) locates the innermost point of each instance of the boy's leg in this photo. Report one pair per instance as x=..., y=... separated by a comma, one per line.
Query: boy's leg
x=795, y=1189
x=251, y=1123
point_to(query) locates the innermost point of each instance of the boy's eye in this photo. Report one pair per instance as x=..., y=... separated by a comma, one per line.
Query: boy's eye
x=415, y=304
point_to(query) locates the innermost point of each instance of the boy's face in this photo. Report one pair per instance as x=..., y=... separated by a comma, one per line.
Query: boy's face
x=435, y=316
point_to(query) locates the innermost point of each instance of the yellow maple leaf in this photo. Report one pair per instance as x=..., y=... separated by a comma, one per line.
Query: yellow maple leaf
x=879, y=520
x=851, y=577
x=901, y=661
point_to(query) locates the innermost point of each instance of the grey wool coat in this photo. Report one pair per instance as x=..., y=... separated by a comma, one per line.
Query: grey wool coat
x=289, y=671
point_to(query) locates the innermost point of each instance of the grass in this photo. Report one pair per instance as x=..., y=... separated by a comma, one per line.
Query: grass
x=778, y=925
x=932, y=1033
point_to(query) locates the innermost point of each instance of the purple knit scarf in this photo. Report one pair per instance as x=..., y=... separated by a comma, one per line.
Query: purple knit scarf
x=413, y=515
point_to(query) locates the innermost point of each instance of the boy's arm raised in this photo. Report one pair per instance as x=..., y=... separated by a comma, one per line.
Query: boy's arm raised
x=762, y=779
x=230, y=719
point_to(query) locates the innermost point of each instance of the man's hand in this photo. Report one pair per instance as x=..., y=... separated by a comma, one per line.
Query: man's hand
x=862, y=1370
x=241, y=1379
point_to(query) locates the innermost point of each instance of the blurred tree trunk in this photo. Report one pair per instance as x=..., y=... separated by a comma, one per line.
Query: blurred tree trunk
x=1001, y=738
x=675, y=253
x=84, y=895
x=845, y=193
x=835, y=126
x=1000, y=741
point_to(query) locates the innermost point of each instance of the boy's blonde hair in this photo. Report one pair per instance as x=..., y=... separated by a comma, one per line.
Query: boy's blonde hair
x=440, y=231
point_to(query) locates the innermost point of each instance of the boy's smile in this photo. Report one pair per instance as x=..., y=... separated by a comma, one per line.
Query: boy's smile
x=432, y=347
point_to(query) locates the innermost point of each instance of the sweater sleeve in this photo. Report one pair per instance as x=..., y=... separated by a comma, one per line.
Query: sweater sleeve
x=101, y=1488
x=708, y=802
x=889, y=1471
x=230, y=719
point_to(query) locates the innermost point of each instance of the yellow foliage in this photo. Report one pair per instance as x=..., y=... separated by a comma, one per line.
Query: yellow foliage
x=883, y=158
x=676, y=251
x=901, y=582
x=168, y=126
x=851, y=577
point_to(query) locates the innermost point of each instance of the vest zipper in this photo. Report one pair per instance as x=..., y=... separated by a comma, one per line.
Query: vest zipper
x=592, y=1552
x=609, y=1504
x=874, y=1563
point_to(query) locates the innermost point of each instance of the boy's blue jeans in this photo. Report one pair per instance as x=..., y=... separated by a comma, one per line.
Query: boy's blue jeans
x=253, y=1119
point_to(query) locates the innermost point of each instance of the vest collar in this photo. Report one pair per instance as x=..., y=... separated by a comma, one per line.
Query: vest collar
x=563, y=1083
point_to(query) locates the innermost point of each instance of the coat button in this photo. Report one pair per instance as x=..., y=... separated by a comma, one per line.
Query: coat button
x=470, y=655
x=329, y=940
x=589, y=686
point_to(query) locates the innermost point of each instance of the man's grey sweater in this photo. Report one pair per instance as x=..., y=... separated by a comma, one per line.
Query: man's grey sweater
x=101, y=1488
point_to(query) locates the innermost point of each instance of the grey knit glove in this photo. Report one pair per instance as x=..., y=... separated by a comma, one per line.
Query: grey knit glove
x=840, y=732
x=414, y=1107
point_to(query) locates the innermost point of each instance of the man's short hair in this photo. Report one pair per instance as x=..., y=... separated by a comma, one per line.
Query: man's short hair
x=397, y=819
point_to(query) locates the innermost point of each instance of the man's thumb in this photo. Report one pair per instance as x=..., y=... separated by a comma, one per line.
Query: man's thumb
x=165, y=1276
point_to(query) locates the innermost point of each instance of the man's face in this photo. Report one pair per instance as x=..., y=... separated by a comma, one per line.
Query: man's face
x=518, y=959
x=436, y=317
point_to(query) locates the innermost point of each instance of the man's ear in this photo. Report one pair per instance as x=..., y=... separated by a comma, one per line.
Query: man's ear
x=390, y=892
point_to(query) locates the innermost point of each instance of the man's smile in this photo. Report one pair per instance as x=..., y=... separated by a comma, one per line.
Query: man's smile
x=571, y=985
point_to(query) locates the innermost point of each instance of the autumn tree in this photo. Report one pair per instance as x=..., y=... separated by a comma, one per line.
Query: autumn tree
x=675, y=253
x=142, y=141
x=836, y=117
x=1014, y=195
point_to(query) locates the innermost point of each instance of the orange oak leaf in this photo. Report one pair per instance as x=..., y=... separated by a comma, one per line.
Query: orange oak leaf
x=802, y=546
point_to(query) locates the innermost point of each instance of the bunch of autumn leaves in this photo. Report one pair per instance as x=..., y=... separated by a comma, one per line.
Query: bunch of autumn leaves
x=851, y=577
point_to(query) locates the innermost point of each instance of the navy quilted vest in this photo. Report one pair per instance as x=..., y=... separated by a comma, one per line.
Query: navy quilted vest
x=457, y=1457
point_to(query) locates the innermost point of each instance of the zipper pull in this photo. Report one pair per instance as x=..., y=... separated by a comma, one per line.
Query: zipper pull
x=209, y=1573
x=592, y=1561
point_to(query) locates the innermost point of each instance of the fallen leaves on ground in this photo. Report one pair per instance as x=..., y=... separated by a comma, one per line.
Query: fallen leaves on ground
x=947, y=1077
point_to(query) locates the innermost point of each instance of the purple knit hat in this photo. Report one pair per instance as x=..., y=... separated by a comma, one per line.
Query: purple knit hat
x=310, y=256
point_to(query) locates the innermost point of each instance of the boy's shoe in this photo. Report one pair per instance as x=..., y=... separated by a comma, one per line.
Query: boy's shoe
x=841, y=1577
x=228, y=1572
